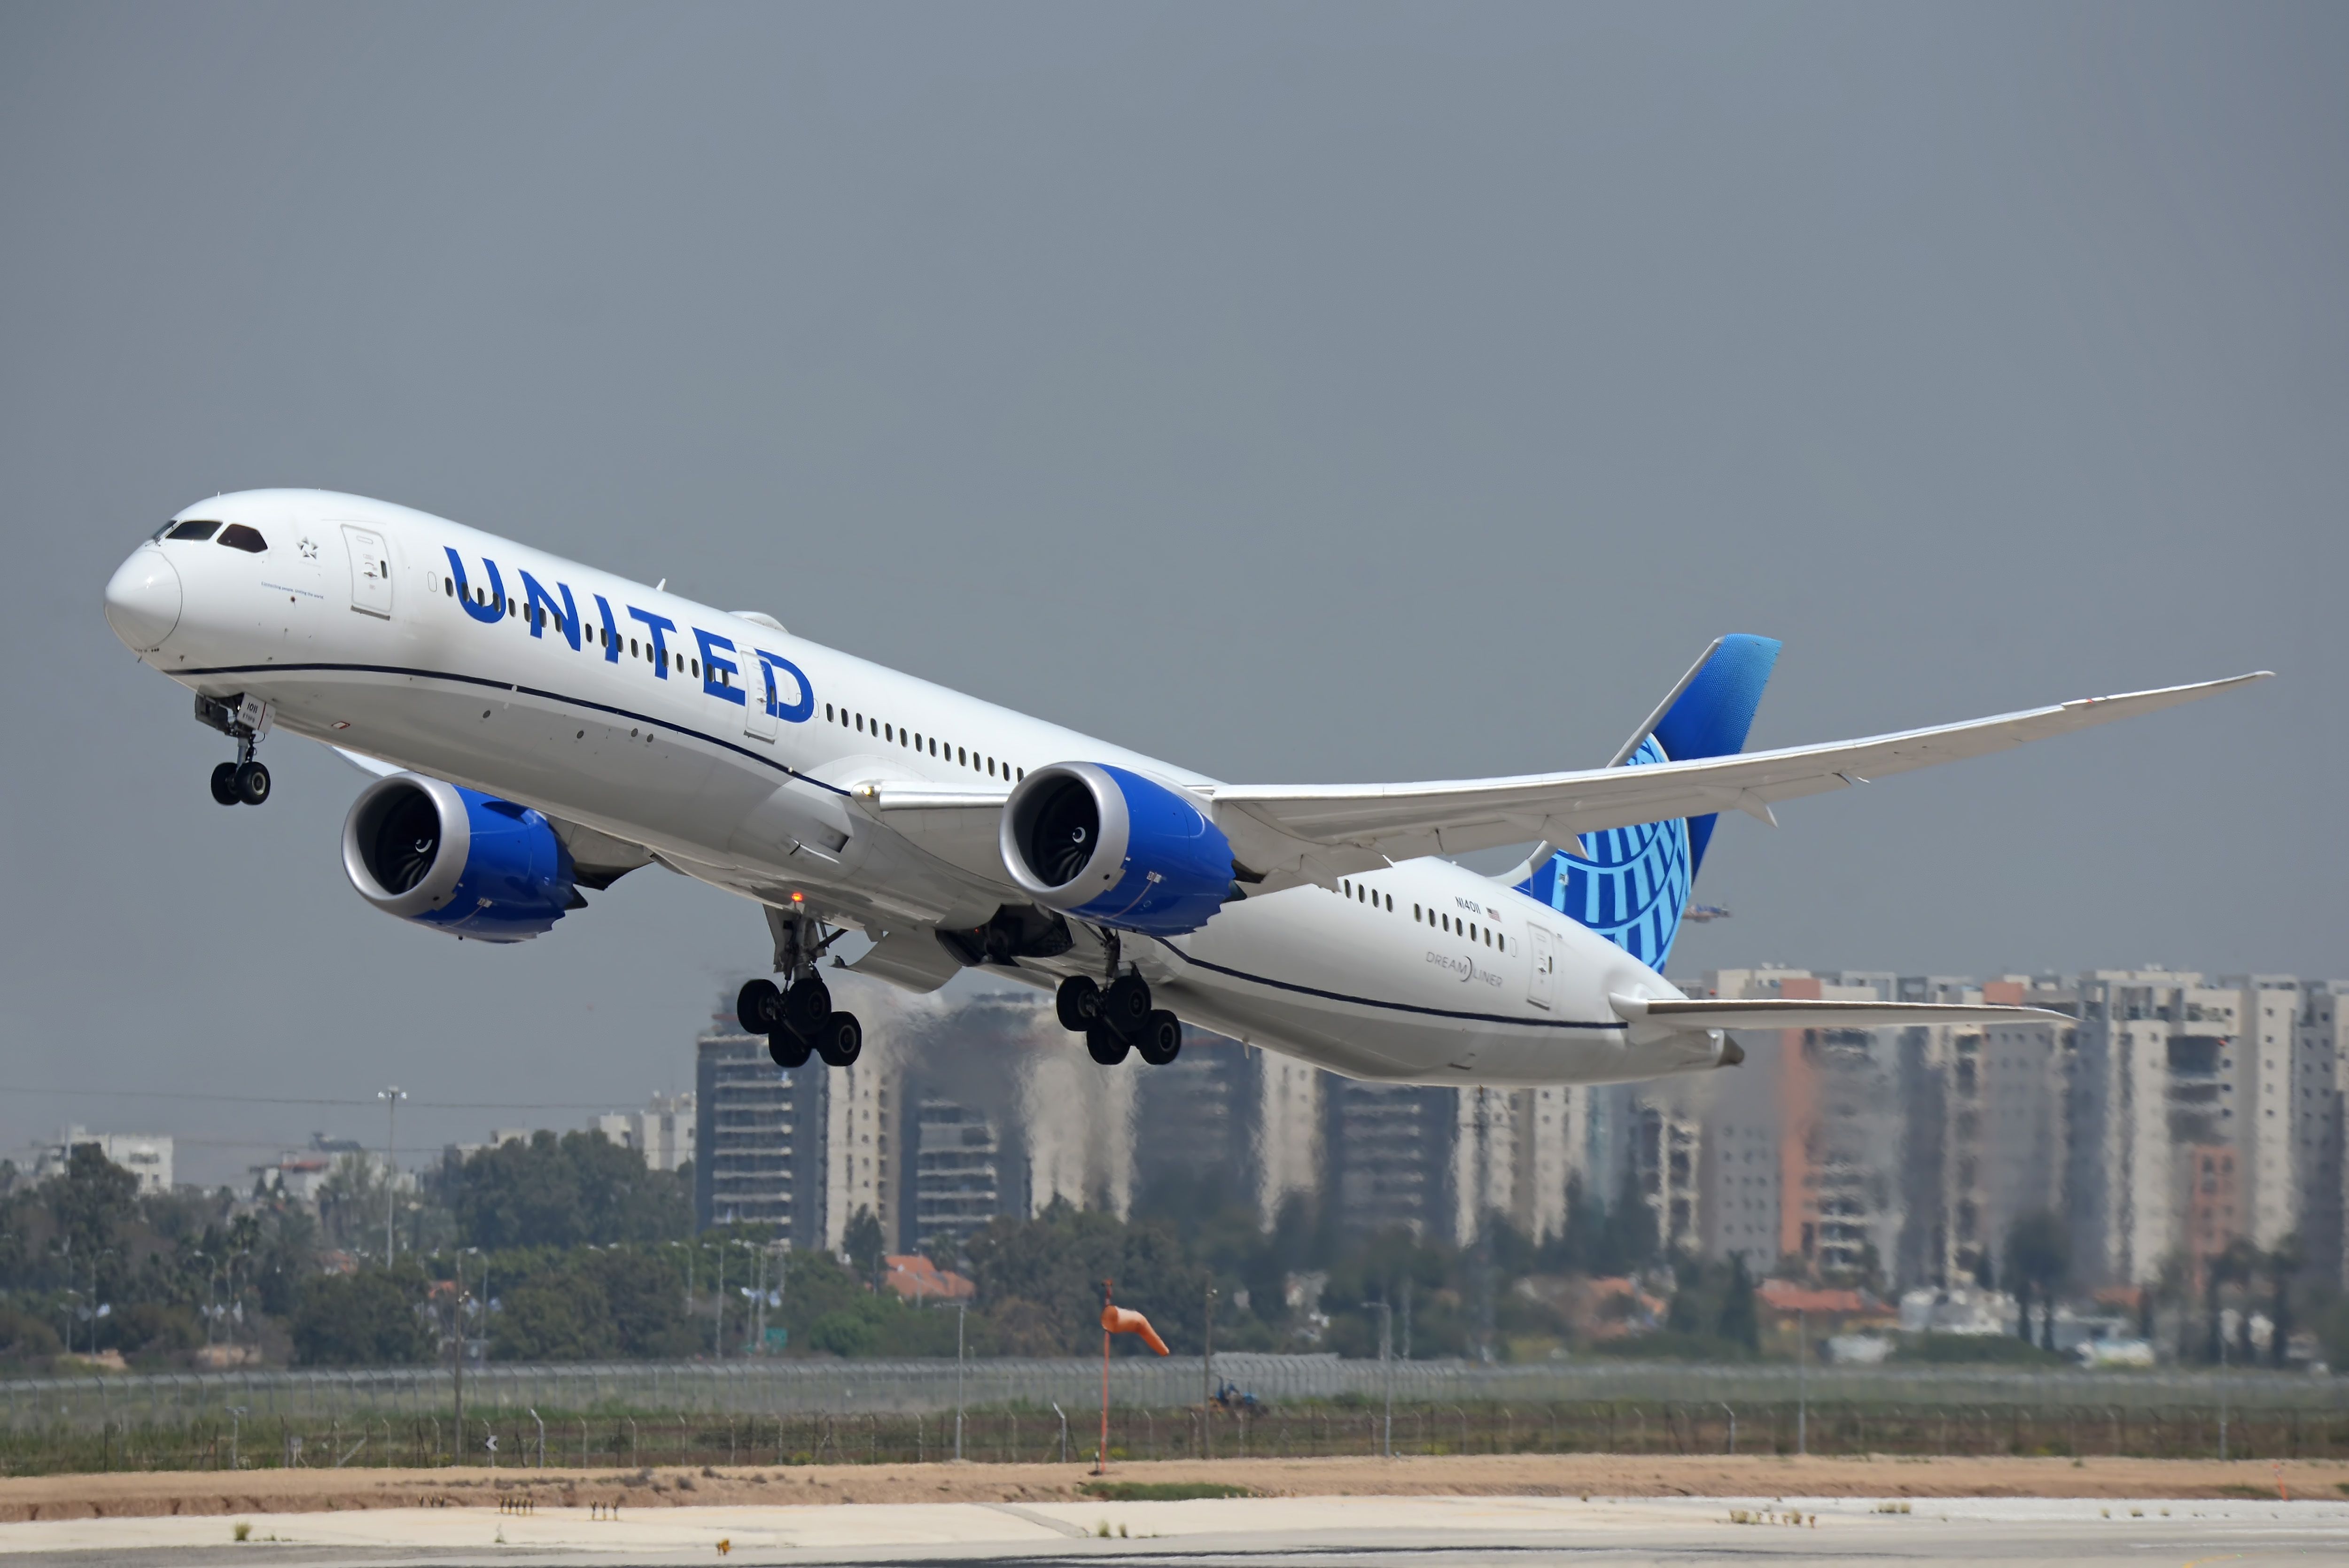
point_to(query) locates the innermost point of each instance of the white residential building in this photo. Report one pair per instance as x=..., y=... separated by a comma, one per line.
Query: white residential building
x=146, y=1155
x=663, y=1133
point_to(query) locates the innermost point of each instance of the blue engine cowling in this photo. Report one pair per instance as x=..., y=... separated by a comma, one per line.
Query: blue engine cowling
x=1114, y=848
x=457, y=860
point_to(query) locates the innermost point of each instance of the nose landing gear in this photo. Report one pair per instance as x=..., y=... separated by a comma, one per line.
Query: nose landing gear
x=1118, y=1019
x=243, y=782
x=799, y=1021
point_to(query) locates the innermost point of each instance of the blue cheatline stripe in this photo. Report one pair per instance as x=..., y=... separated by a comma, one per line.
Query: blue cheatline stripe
x=1374, y=1002
x=782, y=768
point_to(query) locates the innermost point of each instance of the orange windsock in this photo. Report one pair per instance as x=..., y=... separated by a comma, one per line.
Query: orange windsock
x=1123, y=1320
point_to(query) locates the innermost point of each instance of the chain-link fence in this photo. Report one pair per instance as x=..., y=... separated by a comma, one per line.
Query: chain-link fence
x=868, y=1411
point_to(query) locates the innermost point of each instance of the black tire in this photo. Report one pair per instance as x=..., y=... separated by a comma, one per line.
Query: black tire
x=1105, y=1044
x=1126, y=1006
x=224, y=783
x=788, y=1049
x=841, y=1040
x=806, y=1006
x=252, y=781
x=759, y=1007
x=1078, y=1003
x=1161, y=1038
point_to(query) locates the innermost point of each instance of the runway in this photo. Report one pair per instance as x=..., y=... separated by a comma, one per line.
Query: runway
x=1257, y=1533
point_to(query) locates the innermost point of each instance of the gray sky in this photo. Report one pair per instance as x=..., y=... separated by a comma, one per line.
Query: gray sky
x=1299, y=392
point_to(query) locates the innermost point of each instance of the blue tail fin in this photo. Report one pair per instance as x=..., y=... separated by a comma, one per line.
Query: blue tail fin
x=1635, y=884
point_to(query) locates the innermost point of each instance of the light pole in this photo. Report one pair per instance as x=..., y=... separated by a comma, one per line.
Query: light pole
x=1802, y=1381
x=958, y=1309
x=391, y=1098
x=1207, y=1381
x=1386, y=1364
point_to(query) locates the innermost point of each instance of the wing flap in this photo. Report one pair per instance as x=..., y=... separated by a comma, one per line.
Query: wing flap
x=1772, y=1013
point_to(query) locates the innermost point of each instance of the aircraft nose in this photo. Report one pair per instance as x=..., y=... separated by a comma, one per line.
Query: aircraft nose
x=142, y=600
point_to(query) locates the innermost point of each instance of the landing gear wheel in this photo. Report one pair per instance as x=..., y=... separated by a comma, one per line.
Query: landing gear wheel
x=840, y=1040
x=1078, y=1003
x=806, y=1008
x=1105, y=1044
x=1161, y=1038
x=759, y=1007
x=224, y=783
x=252, y=782
x=788, y=1049
x=1126, y=1006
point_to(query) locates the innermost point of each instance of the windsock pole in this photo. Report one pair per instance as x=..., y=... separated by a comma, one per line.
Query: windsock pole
x=1101, y=1458
x=1116, y=1319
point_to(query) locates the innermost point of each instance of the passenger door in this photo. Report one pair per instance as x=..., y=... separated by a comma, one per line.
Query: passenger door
x=370, y=571
x=1543, y=944
x=759, y=700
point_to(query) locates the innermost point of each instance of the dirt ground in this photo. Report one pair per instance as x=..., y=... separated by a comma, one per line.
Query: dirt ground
x=306, y=1490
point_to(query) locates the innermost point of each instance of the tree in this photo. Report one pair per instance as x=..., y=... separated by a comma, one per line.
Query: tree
x=1741, y=1322
x=353, y=1201
x=562, y=1190
x=2284, y=1266
x=91, y=1201
x=2038, y=1257
x=554, y=1317
x=2238, y=1265
x=365, y=1319
x=865, y=1244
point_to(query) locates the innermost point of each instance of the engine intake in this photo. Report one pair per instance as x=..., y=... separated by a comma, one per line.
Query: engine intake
x=456, y=859
x=1115, y=848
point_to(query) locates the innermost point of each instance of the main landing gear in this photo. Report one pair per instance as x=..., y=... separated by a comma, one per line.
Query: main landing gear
x=1118, y=1019
x=243, y=782
x=798, y=1019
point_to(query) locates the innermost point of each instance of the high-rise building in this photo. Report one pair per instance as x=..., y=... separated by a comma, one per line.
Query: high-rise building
x=1388, y=1149
x=759, y=1139
x=2321, y=1079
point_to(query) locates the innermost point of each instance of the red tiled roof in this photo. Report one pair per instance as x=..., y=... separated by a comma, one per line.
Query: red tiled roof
x=1785, y=1295
x=917, y=1278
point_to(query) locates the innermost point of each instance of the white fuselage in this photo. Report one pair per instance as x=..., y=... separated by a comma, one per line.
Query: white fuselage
x=1447, y=985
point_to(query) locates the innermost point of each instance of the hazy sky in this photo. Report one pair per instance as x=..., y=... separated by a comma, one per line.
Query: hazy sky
x=1299, y=392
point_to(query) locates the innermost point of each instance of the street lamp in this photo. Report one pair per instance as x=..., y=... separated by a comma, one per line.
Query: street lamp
x=391, y=1098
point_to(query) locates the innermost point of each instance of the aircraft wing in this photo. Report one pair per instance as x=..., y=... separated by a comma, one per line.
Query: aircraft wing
x=1311, y=831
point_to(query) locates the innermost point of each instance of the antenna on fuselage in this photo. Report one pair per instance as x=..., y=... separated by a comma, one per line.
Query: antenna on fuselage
x=661, y=586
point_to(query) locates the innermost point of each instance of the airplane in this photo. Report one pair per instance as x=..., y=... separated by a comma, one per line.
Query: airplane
x=539, y=729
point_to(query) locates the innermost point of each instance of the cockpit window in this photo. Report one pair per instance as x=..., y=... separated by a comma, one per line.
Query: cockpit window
x=236, y=536
x=194, y=530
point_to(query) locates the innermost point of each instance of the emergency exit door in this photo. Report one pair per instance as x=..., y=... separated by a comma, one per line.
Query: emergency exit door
x=1544, y=946
x=370, y=572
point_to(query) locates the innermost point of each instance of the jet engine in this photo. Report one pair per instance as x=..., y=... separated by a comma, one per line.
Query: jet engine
x=1114, y=848
x=457, y=860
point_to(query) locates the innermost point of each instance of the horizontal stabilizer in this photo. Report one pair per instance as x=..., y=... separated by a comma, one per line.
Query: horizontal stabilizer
x=1794, y=1013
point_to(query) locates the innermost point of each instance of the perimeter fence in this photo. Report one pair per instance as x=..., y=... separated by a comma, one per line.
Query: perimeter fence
x=799, y=1412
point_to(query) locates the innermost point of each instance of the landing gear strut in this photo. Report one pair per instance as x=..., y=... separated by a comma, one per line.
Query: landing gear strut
x=798, y=1017
x=243, y=782
x=1118, y=1019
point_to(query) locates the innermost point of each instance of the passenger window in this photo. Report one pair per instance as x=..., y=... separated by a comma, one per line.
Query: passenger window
x=193, y=531
x=888, y=732
x=632, y=648
x=236, y=536
x=450, y=584
x=961, y=757
x=696, y=669
x=827, y=713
